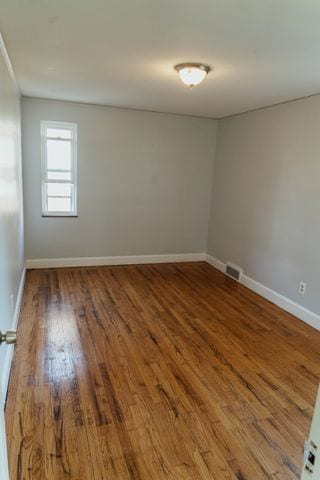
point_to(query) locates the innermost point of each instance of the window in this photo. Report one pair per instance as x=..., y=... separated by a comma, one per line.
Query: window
x=59, y=168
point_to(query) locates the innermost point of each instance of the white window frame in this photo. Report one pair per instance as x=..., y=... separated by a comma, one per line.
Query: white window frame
x=73, y=172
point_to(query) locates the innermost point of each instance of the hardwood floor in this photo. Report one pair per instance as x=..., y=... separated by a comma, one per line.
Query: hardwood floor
x=157, y=372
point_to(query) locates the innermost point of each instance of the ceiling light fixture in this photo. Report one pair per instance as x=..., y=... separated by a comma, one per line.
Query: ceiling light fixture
x=192, y=73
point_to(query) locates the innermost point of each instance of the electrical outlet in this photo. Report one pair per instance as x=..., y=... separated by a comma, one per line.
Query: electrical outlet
x=310, y=457
x=302, y=288
x=12, y=302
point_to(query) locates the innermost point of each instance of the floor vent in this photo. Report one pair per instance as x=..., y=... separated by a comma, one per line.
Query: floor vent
x=233, y=271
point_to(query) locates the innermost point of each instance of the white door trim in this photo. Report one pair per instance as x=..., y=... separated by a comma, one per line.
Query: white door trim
x=9, y=349
x=4, y=473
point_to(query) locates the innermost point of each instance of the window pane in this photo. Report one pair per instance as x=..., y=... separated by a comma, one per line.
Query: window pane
x=59, y=132
x=59, y=175
x=59, y=204
x=59, y=189
x=58, y=155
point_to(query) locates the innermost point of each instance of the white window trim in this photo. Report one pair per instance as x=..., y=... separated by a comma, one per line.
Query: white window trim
x=73, y=128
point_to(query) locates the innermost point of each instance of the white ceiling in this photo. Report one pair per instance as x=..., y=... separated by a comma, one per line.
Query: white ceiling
x=122, y=52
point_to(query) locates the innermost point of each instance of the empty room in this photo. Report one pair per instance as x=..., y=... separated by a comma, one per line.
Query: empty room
x=159, y=240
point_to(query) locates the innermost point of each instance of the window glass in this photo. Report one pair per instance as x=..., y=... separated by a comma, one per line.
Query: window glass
x=59, y=189
x=59, y=204
x=59, y=132
x=58, y=155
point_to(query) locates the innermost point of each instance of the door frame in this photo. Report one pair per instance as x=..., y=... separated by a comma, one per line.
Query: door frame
x=4, y=380
x=4, y=471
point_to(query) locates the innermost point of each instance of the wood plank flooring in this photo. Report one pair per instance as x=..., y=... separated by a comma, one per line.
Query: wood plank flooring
x=157, y=372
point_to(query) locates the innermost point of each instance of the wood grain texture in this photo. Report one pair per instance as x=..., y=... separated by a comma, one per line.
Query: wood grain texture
x=157, y=372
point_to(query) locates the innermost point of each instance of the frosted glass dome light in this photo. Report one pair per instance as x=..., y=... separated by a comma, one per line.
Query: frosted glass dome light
x=192, y=74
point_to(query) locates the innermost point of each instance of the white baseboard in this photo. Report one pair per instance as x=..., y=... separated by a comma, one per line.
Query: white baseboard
x=216, y=263
x=281, y=301
x=9, y=349
x=119, y=260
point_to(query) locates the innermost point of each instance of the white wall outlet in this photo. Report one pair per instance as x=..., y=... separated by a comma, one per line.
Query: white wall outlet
x=311, y=464
x=302, y=288
x=12, y=302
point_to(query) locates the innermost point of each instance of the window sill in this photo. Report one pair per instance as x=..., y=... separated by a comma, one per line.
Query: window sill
x=55, y=215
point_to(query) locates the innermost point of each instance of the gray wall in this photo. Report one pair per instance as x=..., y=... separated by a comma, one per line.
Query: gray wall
x=265, y=213
x=11, y=225
x=144, y=185
x=145, y=182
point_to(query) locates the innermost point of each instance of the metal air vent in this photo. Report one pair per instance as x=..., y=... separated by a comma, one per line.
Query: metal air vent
x=233, y=271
